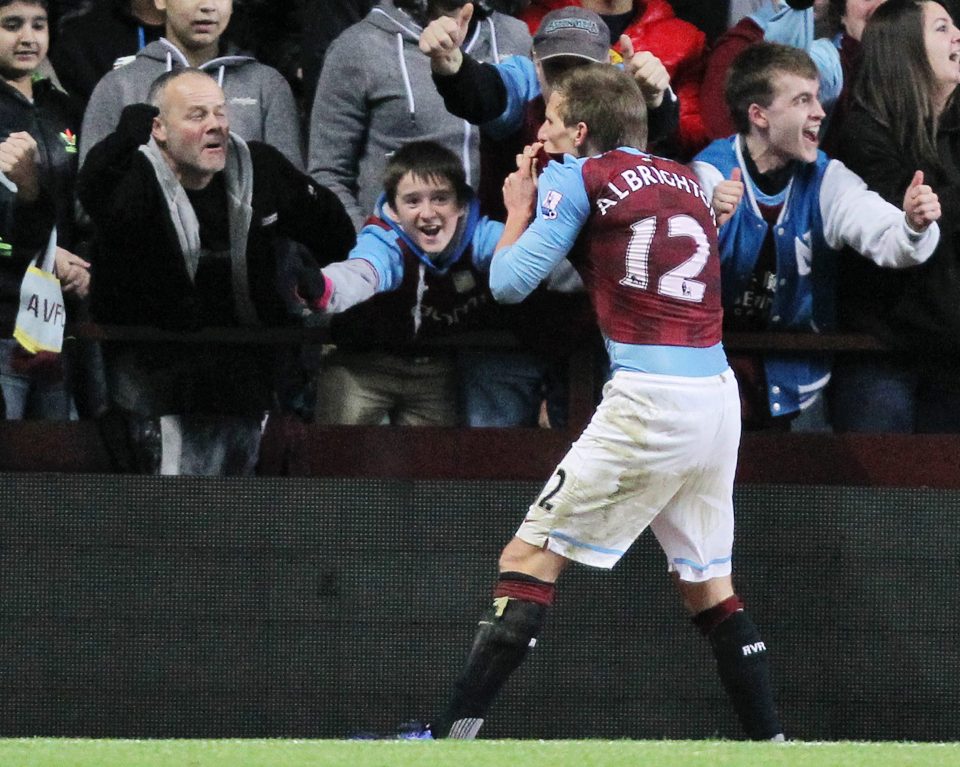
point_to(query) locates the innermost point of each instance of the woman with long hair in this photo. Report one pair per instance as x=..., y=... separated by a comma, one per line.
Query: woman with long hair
x=904, y=115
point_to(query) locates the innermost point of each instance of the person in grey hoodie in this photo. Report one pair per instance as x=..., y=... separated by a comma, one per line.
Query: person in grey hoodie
x=261, y=104
x=376, y=93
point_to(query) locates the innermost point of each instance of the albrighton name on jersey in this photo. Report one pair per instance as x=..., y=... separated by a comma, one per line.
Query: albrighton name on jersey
x=646, y=173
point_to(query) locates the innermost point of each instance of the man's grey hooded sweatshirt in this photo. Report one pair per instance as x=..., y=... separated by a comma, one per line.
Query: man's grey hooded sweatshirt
x=376, y=94
x=260, y=104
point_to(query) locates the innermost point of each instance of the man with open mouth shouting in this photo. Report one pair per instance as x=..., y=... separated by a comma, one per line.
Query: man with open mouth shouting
x=187, y=218
x=779, y=247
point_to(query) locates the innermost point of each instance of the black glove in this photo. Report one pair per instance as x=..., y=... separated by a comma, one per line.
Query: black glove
x=800, y=5
x=302, y=286
x=136, y=123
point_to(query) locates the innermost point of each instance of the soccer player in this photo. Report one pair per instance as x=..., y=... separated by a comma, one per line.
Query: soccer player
x=661, y=449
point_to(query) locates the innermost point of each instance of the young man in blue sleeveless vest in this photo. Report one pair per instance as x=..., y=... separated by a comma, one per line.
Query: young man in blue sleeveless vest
x=779, y=248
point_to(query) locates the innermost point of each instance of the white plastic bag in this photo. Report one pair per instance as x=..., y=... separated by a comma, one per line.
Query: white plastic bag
x=42, y=316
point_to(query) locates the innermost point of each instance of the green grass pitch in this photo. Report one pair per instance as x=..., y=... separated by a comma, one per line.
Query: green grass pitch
x=51, y=752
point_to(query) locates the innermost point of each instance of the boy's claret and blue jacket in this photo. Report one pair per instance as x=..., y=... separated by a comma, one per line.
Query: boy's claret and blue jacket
x=390, y=294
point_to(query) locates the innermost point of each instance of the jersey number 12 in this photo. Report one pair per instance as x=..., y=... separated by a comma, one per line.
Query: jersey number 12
x=679, y=282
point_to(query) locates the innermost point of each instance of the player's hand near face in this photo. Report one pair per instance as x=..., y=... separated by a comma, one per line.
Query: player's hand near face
x=441, y=40
x=726, y=197
x=18, y=162
x=520, y=194
x=920, y=204
x=520, y=187
x=649, y=72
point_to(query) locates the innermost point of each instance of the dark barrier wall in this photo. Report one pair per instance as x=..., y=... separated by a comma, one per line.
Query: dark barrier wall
x=142, y=607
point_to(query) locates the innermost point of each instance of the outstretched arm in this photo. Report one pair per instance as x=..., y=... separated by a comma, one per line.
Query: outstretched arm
x=472, y=90
x=310, y=213
x=347, y=283
x=375, y=265
x=856, y=216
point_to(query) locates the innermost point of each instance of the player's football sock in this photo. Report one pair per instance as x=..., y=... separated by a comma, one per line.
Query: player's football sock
x=743, y=666
x=505, y=633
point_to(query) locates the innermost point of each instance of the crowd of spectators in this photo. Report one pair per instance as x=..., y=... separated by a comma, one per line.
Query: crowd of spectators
x=393, y=124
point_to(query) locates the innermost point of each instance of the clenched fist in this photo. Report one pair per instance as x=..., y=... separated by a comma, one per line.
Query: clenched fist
x=441, y=40
x=18, y=162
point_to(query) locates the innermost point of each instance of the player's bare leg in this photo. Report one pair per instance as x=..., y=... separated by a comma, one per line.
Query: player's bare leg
x=521, y=557
x=740, y=652
x=506, y=632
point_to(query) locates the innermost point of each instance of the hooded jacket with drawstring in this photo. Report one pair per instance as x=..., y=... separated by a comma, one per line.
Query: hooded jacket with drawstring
x=376, y=93
x=259, y=99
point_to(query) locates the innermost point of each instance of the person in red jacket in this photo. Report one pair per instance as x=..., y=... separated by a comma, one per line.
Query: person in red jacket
x=652, y=26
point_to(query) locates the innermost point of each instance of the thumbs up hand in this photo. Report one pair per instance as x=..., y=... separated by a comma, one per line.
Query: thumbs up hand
x=920, y=204
x=726, y=197
x=649, y=72
x=441, y=40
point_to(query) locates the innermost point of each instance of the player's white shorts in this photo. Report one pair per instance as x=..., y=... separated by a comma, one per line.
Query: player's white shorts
x=660, y=451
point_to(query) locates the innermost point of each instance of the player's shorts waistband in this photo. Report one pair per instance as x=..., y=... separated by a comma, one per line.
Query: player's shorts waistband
x=681, y=361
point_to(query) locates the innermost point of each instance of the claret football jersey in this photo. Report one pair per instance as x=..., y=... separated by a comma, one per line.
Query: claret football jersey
x=641, y=232
x=648, y=251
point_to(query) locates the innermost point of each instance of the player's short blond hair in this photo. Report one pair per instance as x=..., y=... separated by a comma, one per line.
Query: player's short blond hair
x=608, y=101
